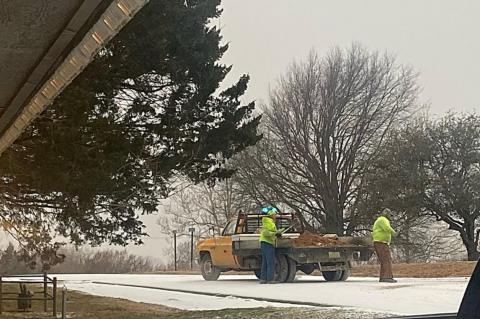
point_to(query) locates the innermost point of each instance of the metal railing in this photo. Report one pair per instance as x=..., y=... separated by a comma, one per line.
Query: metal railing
x=43, y=280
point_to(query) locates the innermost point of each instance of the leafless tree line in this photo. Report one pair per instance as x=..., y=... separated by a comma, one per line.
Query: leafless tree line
x=340, y=143
x=204, y=207
x=84, y=261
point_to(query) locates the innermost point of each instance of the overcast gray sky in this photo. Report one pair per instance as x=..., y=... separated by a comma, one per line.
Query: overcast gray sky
x=438, y=38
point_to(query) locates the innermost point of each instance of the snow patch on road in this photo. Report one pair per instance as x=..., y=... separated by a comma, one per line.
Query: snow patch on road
x=170, y=299
x=409, y=296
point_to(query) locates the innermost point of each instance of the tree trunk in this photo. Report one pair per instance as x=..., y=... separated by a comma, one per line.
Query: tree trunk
x=334, y=218
x=469, y=241
x=472, y=252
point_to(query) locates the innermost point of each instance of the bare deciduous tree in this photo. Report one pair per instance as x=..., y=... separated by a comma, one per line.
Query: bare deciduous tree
x=453, y=194
x=183, y=256
x=432, y=169
x=325, y=122
x=423, y=239
x=203, y=207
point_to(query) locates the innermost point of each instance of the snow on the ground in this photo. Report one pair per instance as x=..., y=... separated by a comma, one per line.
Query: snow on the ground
x=167, y=298
x=408, y=296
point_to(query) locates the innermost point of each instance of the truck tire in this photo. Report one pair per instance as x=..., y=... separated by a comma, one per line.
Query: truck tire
x=345, y=274
x=292, y=269
x=209, y=271
x=258, y=273
x=281, y=268
x=332, y=275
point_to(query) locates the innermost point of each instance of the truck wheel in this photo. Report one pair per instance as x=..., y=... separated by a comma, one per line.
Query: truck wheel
x=258, y=273
x=332, y=275
x=345, y=274
x=209, y=271
x=292, y=269
x=281, y=268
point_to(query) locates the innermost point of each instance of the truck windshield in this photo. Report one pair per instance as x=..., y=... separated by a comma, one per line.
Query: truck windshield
x=230, y=229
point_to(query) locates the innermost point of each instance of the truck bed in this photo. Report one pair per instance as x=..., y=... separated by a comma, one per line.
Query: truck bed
x=249, y=244
x=251, y=241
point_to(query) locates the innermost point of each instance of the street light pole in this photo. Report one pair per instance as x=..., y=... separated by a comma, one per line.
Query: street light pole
x=175, y=250
x=191, y=230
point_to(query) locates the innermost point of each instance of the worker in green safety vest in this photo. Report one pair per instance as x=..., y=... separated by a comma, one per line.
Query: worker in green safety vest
x=382, y=236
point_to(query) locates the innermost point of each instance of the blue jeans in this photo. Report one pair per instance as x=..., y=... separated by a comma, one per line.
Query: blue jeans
x=268, y=261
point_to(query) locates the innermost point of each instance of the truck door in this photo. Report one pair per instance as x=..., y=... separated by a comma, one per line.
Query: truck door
x=222, y=255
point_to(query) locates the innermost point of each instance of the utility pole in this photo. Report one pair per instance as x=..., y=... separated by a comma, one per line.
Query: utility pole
x=191, y=230
x=175, y=249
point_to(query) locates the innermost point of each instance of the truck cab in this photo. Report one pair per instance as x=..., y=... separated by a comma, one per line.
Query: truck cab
x=219, y=248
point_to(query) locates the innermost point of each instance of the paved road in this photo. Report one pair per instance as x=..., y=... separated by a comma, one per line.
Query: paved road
x=408, y=296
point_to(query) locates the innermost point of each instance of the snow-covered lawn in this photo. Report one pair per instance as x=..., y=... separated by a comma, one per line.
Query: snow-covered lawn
x=408, y=296
x=168, y=298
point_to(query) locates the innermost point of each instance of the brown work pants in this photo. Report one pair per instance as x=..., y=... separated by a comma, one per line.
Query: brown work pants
x=385, y=259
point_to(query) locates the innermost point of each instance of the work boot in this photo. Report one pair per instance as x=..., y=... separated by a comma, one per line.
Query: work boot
x=263, y=282
x=389, y=280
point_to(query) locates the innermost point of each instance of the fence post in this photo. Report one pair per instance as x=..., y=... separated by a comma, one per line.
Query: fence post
x=64, y=302
x=54, y=299
x=192, y=230
x=175, y=250
x=45, y=294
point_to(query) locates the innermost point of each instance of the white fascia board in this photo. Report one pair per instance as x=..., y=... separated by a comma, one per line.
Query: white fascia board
x=115, y=17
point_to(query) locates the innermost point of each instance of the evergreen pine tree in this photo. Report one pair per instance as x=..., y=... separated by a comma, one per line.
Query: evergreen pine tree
x=147, y=110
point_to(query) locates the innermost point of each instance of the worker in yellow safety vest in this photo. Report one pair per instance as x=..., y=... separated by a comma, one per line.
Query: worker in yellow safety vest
x=382, y=236
x=267, y=243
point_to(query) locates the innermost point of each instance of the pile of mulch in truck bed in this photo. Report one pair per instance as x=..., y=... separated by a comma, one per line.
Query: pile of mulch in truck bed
x=308, y=240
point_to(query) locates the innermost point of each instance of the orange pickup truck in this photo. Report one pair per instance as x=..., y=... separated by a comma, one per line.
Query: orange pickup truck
x=238, y=248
